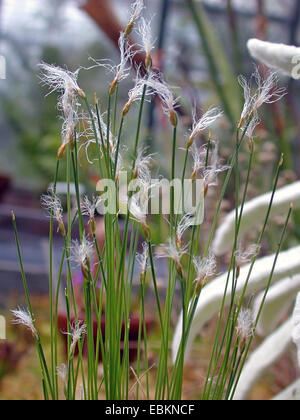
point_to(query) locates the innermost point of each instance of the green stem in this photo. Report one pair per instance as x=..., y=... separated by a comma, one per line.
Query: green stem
x=44, y=367
x=264, y=299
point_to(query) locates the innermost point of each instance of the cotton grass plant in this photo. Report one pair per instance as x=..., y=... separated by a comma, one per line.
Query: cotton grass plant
x=108, y=273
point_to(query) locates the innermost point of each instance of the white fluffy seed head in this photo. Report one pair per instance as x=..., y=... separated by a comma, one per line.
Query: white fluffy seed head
x=62, y=372
x=137, y=9
x=142, y=165
x=211, y=172
x=208, y=119
x=142, y=259
x=267, y=92
x=199, y=159
x=135, y=94
x=90, y=132
x=139, y=202
x=23, y=317
x=65, y=83
x=185, y=223
x=170, y=250
x=135, y=12
x=82, y=253
x=60, y=80
x=160, y=88
x=52, y=204
x=138, y=210
x=111, y=140
x=245, y=256
x=145, y=32
x=122, y=71
x=247, y=97
x=138, y=91
x=245, y=324
x=251, y=127
x=205, y=267
x=78, y=330
x=89, y=207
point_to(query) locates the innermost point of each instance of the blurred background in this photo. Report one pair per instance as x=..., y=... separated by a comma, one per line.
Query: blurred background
x=67, y=33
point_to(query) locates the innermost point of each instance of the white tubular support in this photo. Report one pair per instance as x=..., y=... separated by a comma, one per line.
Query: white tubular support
x=262, y=358
x=291, y=393
x=254, y=213
x=288, y=264
x=279, y=300
x=276, y=56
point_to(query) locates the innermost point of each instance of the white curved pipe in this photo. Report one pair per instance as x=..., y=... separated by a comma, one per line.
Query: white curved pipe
x=288, y=264
x=262, y=358
x=291, y=393
x=276, y=56
x=278, y=302
x=254, y=213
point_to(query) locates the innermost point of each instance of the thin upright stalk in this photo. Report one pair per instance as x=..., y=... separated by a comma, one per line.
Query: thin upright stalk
x=53, y=350
x=48, y=385
x=263, y=300
x=173, y=169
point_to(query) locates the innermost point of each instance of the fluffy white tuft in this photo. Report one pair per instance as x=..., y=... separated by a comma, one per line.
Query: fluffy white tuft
x=23, y=317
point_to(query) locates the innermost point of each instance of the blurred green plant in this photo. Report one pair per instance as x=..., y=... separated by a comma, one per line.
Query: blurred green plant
x=219, y=66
